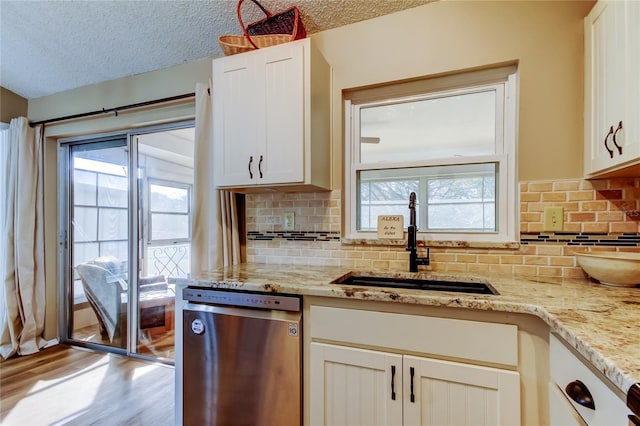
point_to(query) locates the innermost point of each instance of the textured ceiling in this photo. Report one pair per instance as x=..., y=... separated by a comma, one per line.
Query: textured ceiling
x=48, y=47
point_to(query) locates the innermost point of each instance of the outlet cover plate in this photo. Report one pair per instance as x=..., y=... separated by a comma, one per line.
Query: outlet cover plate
x=289, y=221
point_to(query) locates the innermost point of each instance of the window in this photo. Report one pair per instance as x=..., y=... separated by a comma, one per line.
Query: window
x=451, y=140
x=169, y=211
x=168, y=248
x=100, y=203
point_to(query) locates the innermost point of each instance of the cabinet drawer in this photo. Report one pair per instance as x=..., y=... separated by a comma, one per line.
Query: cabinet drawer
x=561, y=412
x=566, y=368
x=471, y=340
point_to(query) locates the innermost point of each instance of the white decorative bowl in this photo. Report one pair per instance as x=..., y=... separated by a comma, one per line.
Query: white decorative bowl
x=618, y=269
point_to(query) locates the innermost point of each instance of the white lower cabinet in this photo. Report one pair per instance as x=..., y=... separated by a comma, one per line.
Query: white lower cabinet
x=353, y=386
x=361, y=386
x=453, y=393
x=561, y=412
x=577, y=396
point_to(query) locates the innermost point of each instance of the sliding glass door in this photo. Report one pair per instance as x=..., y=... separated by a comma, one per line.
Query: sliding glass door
x=124, y=236
x=98, y=233
x=165, y=194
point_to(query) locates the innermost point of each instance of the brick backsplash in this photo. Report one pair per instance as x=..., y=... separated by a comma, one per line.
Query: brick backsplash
x=598, y=215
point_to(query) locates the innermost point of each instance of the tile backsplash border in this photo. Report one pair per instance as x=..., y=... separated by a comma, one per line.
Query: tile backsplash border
x=599, y=215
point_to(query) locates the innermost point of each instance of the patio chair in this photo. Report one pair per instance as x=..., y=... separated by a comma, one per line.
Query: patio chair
x=104, y=281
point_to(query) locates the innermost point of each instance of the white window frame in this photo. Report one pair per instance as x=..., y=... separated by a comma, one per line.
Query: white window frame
x=189, y=213
x=504, y=81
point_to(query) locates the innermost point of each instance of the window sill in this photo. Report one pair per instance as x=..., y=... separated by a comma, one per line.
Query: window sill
x=422, y=243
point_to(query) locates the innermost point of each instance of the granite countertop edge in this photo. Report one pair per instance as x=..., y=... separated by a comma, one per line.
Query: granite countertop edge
x=570, y=307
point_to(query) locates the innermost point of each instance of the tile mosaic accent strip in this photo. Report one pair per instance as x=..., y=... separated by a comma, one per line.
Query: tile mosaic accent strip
x=568, y=238
x=293, y=236
x=582, y=239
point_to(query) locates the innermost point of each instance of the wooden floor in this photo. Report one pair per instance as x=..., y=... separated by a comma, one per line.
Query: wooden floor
x=159, y=346
x=63, y=385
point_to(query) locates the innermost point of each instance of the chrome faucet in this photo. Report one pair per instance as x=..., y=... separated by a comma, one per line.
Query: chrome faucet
x=412, y=245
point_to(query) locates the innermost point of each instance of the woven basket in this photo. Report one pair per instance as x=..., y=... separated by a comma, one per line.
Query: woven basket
x=285, y=22
x=275, y=29
x=234, y=44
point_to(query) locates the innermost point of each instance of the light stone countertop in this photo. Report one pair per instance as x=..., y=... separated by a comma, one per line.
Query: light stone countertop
x=602, y=323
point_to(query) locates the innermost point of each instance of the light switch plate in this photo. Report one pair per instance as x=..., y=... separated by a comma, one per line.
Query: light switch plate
x=289, y=221
x=553, y=220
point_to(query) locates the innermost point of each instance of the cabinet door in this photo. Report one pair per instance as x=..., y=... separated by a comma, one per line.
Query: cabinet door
x=352, y=386
x=612, y=77
x=632, y=135
x=440, y=392
x=237, y=120
x=605, y=76
x=282, y=81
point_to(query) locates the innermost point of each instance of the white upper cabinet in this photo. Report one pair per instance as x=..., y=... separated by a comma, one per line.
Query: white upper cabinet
x=612, y=87
x=271, y=118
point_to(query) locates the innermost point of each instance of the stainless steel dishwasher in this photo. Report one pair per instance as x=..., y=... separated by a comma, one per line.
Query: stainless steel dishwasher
x=241, y=358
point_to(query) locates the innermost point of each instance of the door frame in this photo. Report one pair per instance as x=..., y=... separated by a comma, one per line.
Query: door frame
x=65, y=271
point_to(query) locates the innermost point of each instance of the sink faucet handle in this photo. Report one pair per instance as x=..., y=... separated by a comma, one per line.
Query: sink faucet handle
x=412, y=209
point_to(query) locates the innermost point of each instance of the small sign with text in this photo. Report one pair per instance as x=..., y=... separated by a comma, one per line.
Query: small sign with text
x=391, y=227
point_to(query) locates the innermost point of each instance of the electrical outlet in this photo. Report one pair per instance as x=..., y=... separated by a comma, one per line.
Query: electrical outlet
x=553, y=219
x=289, y=221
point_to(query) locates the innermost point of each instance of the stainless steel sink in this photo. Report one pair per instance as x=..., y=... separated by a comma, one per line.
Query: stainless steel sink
x=476, y=287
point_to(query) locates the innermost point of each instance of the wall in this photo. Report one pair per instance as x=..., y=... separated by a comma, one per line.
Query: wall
x=11, y=105
x=545, y=38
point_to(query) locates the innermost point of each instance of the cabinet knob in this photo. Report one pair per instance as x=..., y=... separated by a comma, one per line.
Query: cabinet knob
x=614, y=138
x=605, y=141
x=579, y=392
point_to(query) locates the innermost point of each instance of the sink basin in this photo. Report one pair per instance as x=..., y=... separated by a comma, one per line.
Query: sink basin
x=417, y=284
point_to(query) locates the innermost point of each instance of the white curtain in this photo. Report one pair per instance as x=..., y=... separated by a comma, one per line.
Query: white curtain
x=228, y=252
x=215, y=238
x=22, y=296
